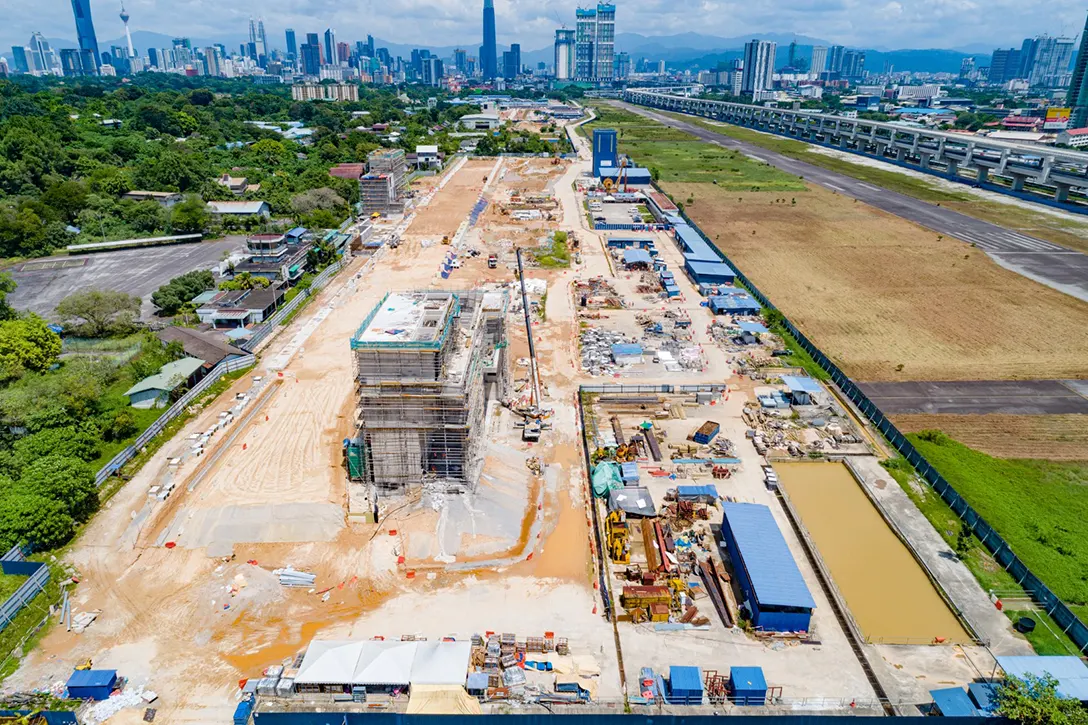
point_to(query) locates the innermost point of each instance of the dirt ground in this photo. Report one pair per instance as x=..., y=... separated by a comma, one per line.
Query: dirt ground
x=887, y=299
x=1049, y=437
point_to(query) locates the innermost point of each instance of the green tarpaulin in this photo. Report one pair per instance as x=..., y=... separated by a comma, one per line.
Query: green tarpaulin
x=606, y=476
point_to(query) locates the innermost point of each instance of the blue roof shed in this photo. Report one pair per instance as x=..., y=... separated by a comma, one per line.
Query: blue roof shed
x=736, y=302
x=1070, y=672
x=984, y=695
x=632, y=257
x=693, y=245
x=709, y=272
x=685, y=685
x=747, y=685
x=772, y=584
x=801, y=388
x=91, y=684
x=954, y=702
x=753, y=327
x=629, y=472
x=705, y=493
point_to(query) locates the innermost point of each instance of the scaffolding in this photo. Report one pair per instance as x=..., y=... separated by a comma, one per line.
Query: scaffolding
x=422, y=362
x=390, y=162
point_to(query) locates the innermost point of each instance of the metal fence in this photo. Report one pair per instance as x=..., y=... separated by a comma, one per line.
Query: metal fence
x=172, y=412
x=1069, y=623
x=14, y=562
x=269, y=326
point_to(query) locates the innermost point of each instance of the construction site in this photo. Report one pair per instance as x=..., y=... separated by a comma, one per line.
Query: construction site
x=502, y=463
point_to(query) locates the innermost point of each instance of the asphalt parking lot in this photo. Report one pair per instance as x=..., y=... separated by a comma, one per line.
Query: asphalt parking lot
x=616, y=213
x=43, y=283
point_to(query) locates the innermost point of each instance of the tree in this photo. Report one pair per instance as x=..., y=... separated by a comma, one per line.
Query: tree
x=26, y=344
x=245, y=280
x=176, y=293
x=71, y=441
x=99, y=313
x=7, y=286
x=1035, y=701
x=190, y=215
x=61, y=478
x=320, y=255
x=36, y=520
x=310, y=201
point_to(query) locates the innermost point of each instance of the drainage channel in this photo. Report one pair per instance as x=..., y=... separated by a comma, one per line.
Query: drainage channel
x=840, y=613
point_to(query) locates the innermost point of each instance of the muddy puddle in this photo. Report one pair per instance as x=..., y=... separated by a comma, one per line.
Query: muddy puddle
x=889, y=595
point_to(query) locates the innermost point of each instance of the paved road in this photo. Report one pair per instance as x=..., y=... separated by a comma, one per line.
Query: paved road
x=1045, y=262
x=1015, y=397
x=45, y=282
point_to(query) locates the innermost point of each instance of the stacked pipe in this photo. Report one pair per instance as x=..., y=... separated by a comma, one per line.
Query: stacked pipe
x=292, y=578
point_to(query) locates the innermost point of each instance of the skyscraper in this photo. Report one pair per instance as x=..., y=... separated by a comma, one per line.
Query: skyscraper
x=460, y=59
x=511, y=61
x=1004, y=65
x=489, y=60
x=310, y=56
x=153, y=57
x=20, y=59
x=819, y=59
x=595, y=43
x=330, y=46
x=758, y=66
x=853, y=64
x=128, y=34
x=262, y=39
x=71, y=63
x=1051, y=63
x=834, y=58
x=1077, y=99
x=1027, y=57
x=41, y=53
x=292, y=44
x=564, y=54
x=88, y=41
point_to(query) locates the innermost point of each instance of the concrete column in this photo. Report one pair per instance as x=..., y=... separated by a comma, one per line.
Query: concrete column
x=953, y=167
x=925, y=159
x=881, y=147
x=983, y=174
x=901, y=154
x=1062, y=193
x=1018, y=182
x=844, y=142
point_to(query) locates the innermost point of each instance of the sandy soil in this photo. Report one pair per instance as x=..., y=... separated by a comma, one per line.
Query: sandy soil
x=887, y=299
x=1050, y=437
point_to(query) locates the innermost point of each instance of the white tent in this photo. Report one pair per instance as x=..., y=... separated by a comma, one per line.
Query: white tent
x=385, y=663
x=441, y=663
x=329, y=662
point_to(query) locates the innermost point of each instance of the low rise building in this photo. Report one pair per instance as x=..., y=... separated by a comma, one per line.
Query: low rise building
x=238, y=308
x=155, y=390
x=1073, y=137
x=211, y=348
x=275, y=257
x=163, y=198
x=240, y=208
x=426, y=158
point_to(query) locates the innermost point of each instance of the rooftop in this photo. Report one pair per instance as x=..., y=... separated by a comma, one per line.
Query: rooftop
x=171, y=376
x=413, y=319
x=770, y=566
x=209, y=348
x=379, y=662
x=237, y=207
x=1070, y=672
x=801, y=384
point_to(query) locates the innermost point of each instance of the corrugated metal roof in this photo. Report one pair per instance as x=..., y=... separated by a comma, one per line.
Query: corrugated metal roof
x=92, y=678
x=1070, y=672
x=685, y=679
x=636, y=256
x=169, y=377
x=627, y=349
x=801, y=384
x=751, y=326
x=720, y=269
x=771, y=567
x=954, y=702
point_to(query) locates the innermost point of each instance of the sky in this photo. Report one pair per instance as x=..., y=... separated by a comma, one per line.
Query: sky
x=877, y=24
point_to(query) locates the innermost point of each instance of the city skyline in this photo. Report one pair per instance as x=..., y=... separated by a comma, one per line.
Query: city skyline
x=533, y=26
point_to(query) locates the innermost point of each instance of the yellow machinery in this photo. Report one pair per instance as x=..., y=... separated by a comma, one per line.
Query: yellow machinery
x=446, y=239
x=607, y=183
x=619, y=550
x=85, y=665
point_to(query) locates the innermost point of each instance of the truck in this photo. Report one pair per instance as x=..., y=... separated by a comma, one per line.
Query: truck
x=492, y=261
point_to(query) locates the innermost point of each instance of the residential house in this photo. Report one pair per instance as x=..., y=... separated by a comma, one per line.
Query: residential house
x=206, y=346
x=238, y=185
x=238, y=308
x=163, y=198
x=154, y=391
x=275, y=257
x=426, y=158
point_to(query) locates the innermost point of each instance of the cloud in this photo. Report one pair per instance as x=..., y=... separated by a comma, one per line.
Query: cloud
x=890, y=24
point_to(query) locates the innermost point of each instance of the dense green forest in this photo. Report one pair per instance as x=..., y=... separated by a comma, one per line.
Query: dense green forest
x=62, y=168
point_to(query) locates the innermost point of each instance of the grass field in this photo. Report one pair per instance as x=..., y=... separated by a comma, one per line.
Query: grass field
x=887, y=299
x=1040, y=508
x=1047, y=437
x=1058, y=229
x=678, y=156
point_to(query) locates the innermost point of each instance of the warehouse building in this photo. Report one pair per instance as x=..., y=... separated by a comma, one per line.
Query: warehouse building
x=709, y=272
x=775, y=593
x=733, y=302
x=421, y=364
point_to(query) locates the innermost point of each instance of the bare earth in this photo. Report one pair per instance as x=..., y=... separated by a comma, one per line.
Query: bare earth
x=887, y=299
x=1050, y=437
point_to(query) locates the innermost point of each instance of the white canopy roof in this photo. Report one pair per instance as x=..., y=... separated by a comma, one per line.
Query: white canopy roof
x=370, y=662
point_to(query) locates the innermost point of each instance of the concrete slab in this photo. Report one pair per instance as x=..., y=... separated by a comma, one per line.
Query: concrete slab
x=43, y=283
x=267, y=523
x=1014, y=397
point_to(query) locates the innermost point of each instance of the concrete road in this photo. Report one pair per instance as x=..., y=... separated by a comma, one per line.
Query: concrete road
x=1015, y=397
x=45, y=282
x=1063, y=269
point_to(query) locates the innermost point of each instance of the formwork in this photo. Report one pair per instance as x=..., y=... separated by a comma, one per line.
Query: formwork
x=420, y=360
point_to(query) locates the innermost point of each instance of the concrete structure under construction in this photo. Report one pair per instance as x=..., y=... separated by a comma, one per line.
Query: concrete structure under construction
x=390, y=162
x=377, y=194
x=422, y=364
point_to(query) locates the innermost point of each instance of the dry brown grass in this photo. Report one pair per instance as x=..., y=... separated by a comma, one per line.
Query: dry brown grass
x=887, y=299
x=1049, y=437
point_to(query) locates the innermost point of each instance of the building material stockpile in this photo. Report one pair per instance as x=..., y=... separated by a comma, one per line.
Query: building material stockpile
x=596, y=347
